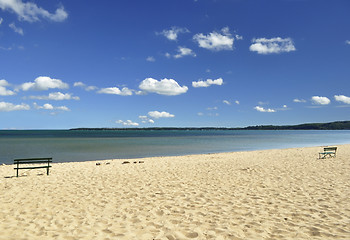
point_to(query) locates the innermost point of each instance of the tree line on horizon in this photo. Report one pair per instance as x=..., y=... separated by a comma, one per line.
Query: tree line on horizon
x=339, y=125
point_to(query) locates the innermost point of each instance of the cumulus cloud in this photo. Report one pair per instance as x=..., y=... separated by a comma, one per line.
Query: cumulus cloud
x=320, y=100
x=347, y=42
x=84, y=86
x=8, y=107
x=44, y=83
x=29, y=11
x=3, y=90
x=16, y=29
x=299, y=100
x=114, y=90
x=342, y=98
x=146, y=119
x=173, y=32
x=215, y=41
x=127, y=123
x=57, y=96
x=157, y=114
x=183, y=51
x=207, y=83
x=272, y=45
x=164, y=87
x=150, y=59
x=1, y=20
x=261, y=109
x=237, y=102
x=48, y=106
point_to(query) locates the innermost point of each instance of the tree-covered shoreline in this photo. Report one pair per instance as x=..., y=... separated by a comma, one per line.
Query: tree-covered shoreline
x=338, y=125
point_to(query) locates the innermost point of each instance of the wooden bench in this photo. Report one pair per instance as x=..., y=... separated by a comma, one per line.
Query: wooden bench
x=32, y=161
x=328, y=151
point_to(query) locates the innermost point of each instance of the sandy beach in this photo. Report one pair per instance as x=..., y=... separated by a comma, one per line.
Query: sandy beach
x=270, y=194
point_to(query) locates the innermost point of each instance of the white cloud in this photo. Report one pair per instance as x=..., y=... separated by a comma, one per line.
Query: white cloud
x=226, y=102
x=8, y=107
x=156, y=114
x=183, y=51
x=84, y=86
x=261, y=109
x=215, y=41
x=1, y=20
x=16, y=29
x=63, y=108
x=238, y=37
x=212, y=108
x=6, y=48
x=44, y=83
x=48, y=106
x=299, y=100
x=127, y=123
x=150, y=59
x=30, y=12
x=3, y=90
x=229, y=103
x=57, y=96
x=320, y=100
x=145, y=119
x=173, y=33
x=164, y=87
x=272, y=45
x=114, y=90
x=342, y=98
x=347, y=42
x=4, y=83
x=208, y=83
x=168, y=55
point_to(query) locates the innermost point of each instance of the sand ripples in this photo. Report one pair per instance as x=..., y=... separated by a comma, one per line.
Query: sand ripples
x=276, y=194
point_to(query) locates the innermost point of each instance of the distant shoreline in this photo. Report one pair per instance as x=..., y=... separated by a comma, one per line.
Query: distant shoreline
x=338, y=125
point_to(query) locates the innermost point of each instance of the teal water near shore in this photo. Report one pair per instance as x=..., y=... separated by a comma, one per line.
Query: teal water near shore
x=73, y=146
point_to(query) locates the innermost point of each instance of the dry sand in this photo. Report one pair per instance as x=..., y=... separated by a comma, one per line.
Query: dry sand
x=272, y=194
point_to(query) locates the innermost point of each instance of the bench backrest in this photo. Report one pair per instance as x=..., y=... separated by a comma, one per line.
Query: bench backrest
x=330, y=149
x=32, y=160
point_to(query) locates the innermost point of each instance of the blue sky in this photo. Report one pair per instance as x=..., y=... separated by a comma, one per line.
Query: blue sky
x=125, y=63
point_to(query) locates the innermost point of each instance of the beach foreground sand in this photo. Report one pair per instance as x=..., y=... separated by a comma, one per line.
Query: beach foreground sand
x=272, y=194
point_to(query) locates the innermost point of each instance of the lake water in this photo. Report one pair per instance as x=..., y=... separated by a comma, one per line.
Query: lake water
x=71, y=146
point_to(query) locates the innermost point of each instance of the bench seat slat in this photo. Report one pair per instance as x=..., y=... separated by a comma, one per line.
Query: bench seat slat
x=32, y=167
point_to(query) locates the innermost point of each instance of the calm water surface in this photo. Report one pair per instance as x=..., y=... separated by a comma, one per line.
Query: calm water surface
x=70, y=146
